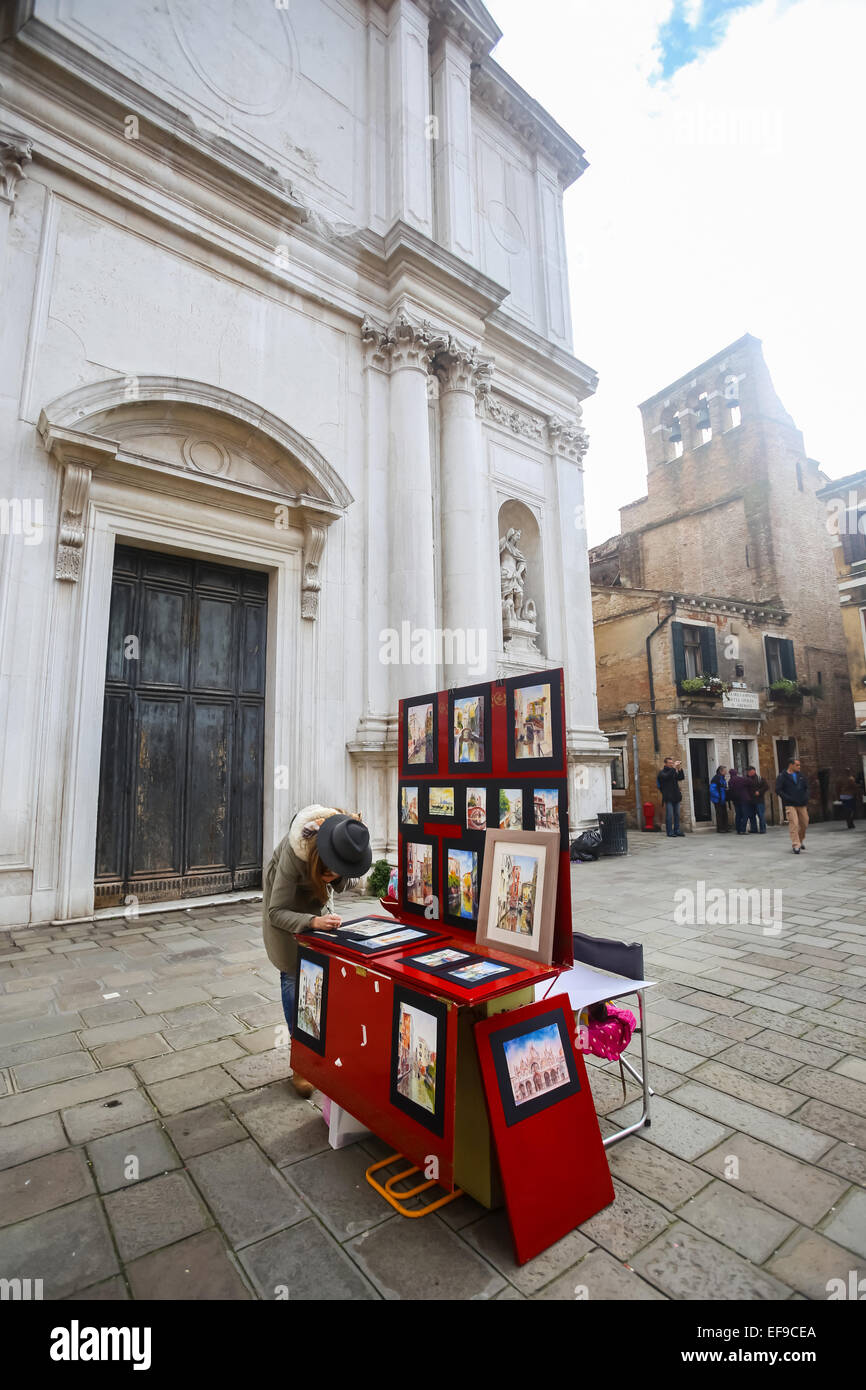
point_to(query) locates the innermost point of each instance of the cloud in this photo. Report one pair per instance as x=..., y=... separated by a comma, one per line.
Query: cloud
x=726, y=199
x=694, y=27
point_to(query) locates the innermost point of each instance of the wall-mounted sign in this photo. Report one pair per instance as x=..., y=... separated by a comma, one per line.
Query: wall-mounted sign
x=740, y=699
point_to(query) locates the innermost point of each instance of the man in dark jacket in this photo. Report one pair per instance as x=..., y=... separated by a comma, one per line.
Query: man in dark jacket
x=758, y=809
x=740, y=792
x=793, y=789
x=668, y=783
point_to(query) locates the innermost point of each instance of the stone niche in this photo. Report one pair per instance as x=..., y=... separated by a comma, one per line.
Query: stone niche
x=523, y=632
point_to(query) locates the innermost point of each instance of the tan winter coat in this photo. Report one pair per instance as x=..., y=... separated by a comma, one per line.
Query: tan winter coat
x=288, y=901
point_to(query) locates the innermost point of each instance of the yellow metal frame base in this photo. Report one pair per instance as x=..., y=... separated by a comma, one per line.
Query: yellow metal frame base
x=393, y=1198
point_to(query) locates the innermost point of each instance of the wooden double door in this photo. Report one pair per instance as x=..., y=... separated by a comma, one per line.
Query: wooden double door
x=180, y=781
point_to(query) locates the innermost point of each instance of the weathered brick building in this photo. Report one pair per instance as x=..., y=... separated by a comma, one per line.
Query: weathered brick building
x=845, y=500
x=723, y=569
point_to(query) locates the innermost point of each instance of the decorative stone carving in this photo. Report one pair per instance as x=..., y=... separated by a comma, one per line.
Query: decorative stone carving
x=568, y=438
x=314, y=544
x=521, y=422
x=15, y=151
x=73, y=515
x=403, y=343
x=519, y=628
x=459, y=368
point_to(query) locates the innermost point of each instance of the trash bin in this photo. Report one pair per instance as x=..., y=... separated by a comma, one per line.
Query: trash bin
x=613, y=833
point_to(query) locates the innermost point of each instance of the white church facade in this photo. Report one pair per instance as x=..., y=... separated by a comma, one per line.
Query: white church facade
x=288, y=402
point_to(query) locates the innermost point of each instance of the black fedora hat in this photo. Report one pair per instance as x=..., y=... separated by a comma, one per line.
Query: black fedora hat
x=344, y=846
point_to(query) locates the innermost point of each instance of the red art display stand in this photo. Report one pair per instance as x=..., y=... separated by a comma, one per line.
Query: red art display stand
x=551, y=1156
x=389, y=1039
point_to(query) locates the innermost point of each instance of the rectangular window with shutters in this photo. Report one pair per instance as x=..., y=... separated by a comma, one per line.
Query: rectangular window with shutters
x=854, y=539
x=780, y=659
x=694, y=651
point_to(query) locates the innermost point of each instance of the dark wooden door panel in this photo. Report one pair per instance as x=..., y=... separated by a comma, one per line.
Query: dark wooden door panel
x=112, y=824
x=180, y=786
x=209, y=803
x=213, y=644
x=164, y=640
x=157, y=787
x=248, y=792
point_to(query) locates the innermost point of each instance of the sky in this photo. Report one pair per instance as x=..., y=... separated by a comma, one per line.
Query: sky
x=725, y=195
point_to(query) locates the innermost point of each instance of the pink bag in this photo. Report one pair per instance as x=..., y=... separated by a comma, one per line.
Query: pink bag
x=608, y=1032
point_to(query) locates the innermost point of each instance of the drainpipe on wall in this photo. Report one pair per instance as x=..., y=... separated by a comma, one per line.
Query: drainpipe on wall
x=649, y=666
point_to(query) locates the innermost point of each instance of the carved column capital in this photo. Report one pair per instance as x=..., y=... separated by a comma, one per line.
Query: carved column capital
x=73, y=520
x=567, y=438
x=15, y=151
x=314, y=544
x=459, y=368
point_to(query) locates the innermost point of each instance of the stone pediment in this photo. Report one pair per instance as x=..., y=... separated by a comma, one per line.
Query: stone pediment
x=200, y=431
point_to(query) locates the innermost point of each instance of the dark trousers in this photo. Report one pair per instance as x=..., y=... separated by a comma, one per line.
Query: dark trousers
x=721, y=816
x=849, y=806
x=741, y=814
x=761, y=813
x=672, y=817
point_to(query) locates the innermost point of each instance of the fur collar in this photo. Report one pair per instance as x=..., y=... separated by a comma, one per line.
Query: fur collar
x=310, y=816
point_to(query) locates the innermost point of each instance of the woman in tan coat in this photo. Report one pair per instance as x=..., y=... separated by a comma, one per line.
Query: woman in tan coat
x=324, y=852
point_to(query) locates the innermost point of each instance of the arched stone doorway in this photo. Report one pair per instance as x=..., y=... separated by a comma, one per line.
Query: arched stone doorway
x=157, y=466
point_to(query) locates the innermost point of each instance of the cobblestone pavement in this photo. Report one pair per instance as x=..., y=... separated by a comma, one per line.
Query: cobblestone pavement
x=154, y=1038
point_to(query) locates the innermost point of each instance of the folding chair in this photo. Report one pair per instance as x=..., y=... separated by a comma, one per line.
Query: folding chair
x=624, y=963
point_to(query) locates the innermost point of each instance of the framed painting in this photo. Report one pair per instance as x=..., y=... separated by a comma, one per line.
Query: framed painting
x=310, y=1020
x=507, y=810
x=441, y=803
x=517, y=903
x=469, y=732
x=418, y=1057
x=464, y=968
x=539, y=1102
x=534, y=722
x=462, y=882
x=535, y=1065
x=475, y=818
x=420, y=878
x=420, y=735
x=550, y=808
x=412, y=804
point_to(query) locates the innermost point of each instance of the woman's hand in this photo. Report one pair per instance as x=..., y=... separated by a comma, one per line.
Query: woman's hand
x=326, y=923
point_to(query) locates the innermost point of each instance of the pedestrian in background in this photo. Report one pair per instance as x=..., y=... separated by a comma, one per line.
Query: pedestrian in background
x=847, y=793
x=668, y=783
x=758, y=813
x=719, y=798
x=793, y=790
x=740, y=792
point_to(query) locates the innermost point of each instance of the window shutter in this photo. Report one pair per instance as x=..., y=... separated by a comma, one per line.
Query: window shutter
x=708, y=651
x=786, y=652
x=767, y=641
x=679, y=653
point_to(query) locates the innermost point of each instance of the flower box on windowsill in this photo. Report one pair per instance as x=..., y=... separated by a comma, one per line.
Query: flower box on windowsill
x=787, y=692
x=703, y=688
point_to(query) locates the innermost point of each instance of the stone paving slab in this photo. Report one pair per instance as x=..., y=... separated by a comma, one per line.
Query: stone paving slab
x=758, y=1057
x=247, y=1195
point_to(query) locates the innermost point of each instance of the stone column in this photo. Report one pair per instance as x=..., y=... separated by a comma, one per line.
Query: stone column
x=469, y=610
x=586, y=746
x=412, y=596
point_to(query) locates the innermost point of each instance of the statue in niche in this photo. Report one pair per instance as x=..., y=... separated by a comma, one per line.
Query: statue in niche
x=519, y=613
x=512, y=573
